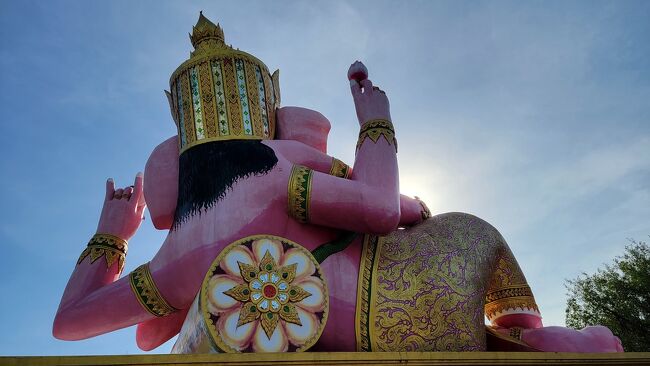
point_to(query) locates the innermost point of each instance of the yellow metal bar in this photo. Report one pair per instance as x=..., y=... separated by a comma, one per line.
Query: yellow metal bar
x=346, y=358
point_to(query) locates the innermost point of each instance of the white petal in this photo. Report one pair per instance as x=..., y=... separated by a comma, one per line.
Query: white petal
x=274, y=277
x=275, y=305
x=299, y=334
x=237, y=254
x=256, y=296
x=315, y=302
x=304, y=267
x=273, y=246
x=236, y=337
x=277, y=343
x=283, y=298
x=256, y=285
x=283, y=286
x=264, y=304
x=218, y=301
x=264, y=277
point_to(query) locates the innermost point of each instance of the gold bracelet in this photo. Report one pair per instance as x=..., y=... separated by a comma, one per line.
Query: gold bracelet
x=147, y=293
x=299, y=193
x=339, y=169
x=424, y=213
x=375, y=128
x=109, y=246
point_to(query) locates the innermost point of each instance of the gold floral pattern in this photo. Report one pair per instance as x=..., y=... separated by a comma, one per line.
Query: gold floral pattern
x=267, y=294
x=264, y=294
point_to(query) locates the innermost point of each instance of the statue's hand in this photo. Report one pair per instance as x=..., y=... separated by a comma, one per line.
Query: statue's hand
x=369, y=101
x=123, y=209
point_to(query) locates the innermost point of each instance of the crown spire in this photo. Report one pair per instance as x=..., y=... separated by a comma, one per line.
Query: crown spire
x=205, y=32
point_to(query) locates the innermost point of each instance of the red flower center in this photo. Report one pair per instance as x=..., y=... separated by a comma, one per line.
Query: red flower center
x=269, y=291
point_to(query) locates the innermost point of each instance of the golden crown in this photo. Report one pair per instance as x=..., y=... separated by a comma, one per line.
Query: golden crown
x=221, y=93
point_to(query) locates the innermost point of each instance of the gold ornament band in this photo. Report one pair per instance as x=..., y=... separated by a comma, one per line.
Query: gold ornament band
x=515, y=332
x=299, y=193
x=375, y=128
x=339, y=169
x=111, y=247
x=147, y=293
x=509, y=298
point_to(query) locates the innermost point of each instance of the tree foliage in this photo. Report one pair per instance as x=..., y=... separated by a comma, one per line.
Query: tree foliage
x=617, y=297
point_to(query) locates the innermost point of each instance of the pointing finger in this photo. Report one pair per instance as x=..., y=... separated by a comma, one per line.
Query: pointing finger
x=110, y=189
x=137, y=188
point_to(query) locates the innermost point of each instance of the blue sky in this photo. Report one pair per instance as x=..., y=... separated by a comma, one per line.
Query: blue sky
x=531, y=115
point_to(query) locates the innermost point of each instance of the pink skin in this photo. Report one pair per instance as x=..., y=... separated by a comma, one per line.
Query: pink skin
x=93, y=304
x=96, y=301
x=560, y=339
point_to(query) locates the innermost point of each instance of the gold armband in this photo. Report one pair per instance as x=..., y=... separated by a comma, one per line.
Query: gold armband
x=339, y=169
x=147, y=293
x=109, y=246
x=375, y=128
x=299, y=193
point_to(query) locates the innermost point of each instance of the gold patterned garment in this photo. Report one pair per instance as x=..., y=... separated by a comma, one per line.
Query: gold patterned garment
x=424, y=288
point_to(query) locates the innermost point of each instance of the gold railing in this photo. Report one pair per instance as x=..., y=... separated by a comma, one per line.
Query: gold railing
x=346, y=358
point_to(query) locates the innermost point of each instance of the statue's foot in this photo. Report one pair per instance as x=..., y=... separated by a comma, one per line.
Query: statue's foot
x=560, y=339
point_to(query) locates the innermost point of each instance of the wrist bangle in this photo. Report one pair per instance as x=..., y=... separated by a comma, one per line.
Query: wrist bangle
x=424, y=213
x=375, y=128
x=111, y=247
x=339, y=169
x=299, y=193
x=147, y=293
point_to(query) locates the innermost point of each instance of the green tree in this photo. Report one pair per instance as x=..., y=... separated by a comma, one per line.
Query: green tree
x=617, y=297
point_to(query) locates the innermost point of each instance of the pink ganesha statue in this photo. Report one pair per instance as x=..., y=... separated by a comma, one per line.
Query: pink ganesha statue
x=275, y=246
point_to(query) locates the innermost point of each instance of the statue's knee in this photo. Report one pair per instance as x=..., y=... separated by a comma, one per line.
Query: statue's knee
x=465, y=219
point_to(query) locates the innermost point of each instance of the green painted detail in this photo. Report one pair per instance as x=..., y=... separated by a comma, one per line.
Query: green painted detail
x=340, y=243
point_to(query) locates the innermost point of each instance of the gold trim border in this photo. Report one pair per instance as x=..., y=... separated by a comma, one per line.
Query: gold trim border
x=344, y=358
x=365, y=312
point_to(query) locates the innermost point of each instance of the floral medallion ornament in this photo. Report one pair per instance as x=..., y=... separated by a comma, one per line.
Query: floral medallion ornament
x=264, y=294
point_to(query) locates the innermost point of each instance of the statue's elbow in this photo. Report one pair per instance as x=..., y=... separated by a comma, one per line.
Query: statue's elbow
x=384, y=219
x=64, y=330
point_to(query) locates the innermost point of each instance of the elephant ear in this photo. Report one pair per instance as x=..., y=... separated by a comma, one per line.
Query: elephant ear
x=276, y=87
x=172, y=107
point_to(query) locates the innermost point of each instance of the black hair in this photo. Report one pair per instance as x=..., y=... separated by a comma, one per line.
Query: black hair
x=207, y=171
